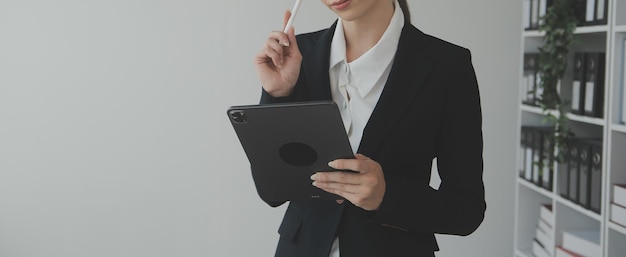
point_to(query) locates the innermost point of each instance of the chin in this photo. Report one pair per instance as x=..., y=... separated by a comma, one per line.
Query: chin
x=348, y=16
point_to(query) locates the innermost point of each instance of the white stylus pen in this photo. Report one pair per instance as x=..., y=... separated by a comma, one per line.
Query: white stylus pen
x=293, y=16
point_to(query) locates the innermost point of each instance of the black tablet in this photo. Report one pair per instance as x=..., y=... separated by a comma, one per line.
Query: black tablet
x=287, y=143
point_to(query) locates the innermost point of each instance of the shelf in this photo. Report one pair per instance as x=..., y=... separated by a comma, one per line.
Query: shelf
x=591, y=29
x=619, y=128
x=536, y=110
x=578, y=31
x=568, y=214
x=531, y=109
x=586, y=119
x=619, y=28
x=574, y=117
x=578, y=208
x=533, y=33
x=535, y=188
x=617, y=228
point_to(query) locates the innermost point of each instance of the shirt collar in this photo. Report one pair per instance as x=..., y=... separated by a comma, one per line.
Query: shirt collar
x=368, y=69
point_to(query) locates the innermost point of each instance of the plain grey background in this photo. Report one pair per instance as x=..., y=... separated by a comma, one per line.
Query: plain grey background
x=114, y=139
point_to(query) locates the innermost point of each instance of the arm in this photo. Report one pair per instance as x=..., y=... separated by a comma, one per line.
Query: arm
x=458, y=206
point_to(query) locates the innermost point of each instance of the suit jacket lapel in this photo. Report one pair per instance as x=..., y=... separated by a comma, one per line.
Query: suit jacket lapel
x=316, y=64
x=410, y=69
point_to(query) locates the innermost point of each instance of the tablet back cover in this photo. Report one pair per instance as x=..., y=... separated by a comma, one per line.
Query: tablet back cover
x=287, y=143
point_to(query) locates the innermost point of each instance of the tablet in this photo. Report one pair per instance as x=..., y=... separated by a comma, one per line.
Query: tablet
x=287, y=143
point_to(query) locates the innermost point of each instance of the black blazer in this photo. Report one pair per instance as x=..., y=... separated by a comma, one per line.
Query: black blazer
x=429, y=108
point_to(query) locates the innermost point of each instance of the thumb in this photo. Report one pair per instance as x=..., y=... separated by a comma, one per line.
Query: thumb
x=361, y=157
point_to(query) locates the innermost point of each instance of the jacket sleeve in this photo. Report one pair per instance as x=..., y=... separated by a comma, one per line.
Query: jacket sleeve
x=295, y=96
x=458, y=206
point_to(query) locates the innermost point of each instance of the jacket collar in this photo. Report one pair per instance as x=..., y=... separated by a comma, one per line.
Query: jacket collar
x=411, y=66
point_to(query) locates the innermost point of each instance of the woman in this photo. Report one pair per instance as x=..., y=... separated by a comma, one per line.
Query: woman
x=406, y=98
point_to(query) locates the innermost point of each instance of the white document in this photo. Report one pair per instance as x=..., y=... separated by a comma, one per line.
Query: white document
x=618, y=214
x=584, y=242
x=529, y=163
x=624, y=83
x=543, y=6
x=590, y=89
x=546, y=214
x=546, y=240
x=600, y=11
x=619, y=194
x=545, y=227
x=539, y=251
x=562, y=252
x=576, y=96
x=591, y=7
x=526, y=14
x=534, y=20
x=538, y=87
x=531, y=88
x=524, y=89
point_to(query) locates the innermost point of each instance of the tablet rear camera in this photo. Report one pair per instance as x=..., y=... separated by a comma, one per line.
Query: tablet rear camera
x=238, y=116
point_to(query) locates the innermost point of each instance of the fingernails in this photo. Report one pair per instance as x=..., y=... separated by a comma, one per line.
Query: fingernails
x=331, y=164
x=314, y=176
x=314, y=184
x=285, y=44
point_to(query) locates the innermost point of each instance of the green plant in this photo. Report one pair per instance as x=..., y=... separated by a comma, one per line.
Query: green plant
x=559, y=25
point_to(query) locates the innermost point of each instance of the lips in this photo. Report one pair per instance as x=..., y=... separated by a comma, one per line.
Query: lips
x=340, y=5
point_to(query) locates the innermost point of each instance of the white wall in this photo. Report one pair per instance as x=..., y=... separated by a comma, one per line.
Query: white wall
x=114, y=139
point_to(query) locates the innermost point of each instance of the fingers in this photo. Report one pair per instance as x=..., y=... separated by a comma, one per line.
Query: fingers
x=279, y=46
x=365, y=188
x=358, y=165
x=340, y=188
x=337, y=177
x=361, y=197
x=274, y=49
x=286, y=18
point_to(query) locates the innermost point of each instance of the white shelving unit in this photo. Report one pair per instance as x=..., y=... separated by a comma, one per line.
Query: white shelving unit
x=567, y=214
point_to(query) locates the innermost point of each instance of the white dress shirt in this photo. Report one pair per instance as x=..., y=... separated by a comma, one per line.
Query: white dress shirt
x=357, y=86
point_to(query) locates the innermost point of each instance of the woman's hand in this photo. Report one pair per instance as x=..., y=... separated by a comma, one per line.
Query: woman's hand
x=365, y=188
x=278, y=63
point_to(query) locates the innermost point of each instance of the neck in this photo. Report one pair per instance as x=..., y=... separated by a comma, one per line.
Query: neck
x=364, y=33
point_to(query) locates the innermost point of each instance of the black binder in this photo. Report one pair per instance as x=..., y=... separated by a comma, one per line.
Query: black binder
x=584, y=173
x=522, y=151
x=527, y=7
x=602, y=9
x=578, y=84
x=544, y=5
x=580, y=9
x=590, y=174
x=594, y=85
x=530, y=78
x=590, y=12
x=529, y=166
x=573, y=167
x=537, y=156
x=534, y=14
x=548, y=148
x=563, y=171
x=595, y=188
